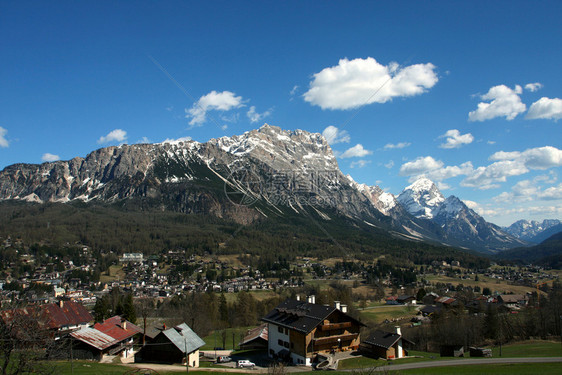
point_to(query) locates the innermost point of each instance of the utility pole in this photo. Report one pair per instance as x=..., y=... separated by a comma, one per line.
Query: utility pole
x=71, y=355
x=186, y=359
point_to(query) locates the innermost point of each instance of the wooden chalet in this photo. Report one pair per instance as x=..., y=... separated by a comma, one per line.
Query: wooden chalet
x=387, y=345
x=298, y=331
x=256, y=338
x=171, y=345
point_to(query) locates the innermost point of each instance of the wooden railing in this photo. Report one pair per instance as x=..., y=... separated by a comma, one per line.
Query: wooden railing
x=332, y=326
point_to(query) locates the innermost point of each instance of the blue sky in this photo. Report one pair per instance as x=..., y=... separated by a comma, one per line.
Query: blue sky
x=465, y=93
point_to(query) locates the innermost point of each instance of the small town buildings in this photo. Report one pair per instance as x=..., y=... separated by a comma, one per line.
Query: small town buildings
x=255, y=338
x=513, y=301
x=171, y=345
x=298, y=331
x=406, y=300
x=381, y=344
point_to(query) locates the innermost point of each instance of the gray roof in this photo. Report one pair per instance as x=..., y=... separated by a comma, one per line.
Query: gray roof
x=95, y=338
x=183, y=337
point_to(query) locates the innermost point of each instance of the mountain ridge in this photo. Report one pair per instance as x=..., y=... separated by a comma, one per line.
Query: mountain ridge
x=244, y=178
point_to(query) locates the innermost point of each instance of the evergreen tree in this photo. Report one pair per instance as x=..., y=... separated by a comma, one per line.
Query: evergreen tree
x=129, y=311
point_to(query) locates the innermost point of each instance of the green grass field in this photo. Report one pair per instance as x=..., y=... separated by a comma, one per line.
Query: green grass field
x=380, y=313
x=215, y=339
x=503, y=369
x=530, y=349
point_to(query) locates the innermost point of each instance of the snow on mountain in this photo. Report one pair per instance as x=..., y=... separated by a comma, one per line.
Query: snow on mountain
x=381, y=200
x=528, y=230
x=421, y=198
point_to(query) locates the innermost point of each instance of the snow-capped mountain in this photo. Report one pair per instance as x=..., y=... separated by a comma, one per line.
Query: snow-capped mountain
x=247, y=178
x=461, y=225
x=529, y=230
x=421, y=198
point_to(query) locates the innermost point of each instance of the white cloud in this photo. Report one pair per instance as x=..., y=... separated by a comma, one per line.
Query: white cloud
x=530, y=191
x=390, y=146
x=359, y=163
x=255, y=116
x=455, y=139
x=491, y=142
x=333, y=135
x=294, y=90
x=217, y=101
x=3, y=141
x=421, y=165
x=532, y=87
x=390, y=164
x=117, y=135
x=144, y=140
x=443, y=186
x=433, y=169
x=356, y=151
x=49, y=157
x=224, y=127
x=504, y=102
x=354, y=83
x=515, y=163
x=545, y=108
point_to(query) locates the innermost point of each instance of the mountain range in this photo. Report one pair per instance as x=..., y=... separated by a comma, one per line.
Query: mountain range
x=249, y=178
x=534, y=231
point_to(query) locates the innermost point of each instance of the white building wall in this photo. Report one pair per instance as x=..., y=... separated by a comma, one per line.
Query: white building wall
x=273, y=339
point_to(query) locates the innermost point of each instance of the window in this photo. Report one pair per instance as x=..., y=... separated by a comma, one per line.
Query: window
x=280, y=329
x=286, y=331
x=280, y=342
x=286, y=344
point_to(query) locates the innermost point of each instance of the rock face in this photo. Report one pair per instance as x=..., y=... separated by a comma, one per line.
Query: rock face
x=461, y=225
x=245, y=178
x=532, y=230
x=421, y=198
x=224, y=177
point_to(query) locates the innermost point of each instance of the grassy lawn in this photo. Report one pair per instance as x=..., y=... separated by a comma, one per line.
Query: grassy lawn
x=215, y=338
x=503, y=369
x=530, y=349
x=379, y=314
x=115, y=272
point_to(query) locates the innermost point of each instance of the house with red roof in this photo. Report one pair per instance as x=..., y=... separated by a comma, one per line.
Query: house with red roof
x=58, y=318
x=121, y=330
x=114, y=336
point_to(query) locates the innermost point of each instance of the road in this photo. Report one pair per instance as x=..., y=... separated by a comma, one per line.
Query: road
x=468, y=362
x=406, y=366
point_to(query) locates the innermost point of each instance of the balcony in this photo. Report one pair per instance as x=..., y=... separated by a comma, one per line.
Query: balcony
x=333, y=326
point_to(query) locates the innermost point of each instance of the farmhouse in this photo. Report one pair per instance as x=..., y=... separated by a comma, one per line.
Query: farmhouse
x=255, y=338
x=171, y=346
x=381, y=344
x=300, y=330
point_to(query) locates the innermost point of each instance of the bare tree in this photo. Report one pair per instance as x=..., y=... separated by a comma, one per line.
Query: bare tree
x=24, y=343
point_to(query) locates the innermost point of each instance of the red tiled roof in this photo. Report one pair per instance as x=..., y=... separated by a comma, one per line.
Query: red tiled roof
x=71, y=313
x=53, y=316
x=118, y=328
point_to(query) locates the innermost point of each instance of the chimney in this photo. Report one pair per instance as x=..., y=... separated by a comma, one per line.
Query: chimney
x=313, y=299
x=61, y=303
x=398, y=330
x=337, y=305
x=298, y=297
x=344, y=309
x=124, y=325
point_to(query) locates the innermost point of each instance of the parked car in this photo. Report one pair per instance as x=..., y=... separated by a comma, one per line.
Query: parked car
x=244, y=363
x=223, y=359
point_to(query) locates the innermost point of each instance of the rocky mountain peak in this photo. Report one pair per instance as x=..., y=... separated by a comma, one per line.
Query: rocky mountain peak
x=421, y=198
